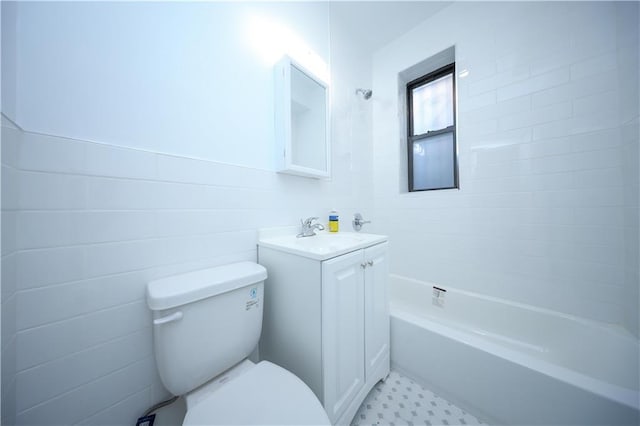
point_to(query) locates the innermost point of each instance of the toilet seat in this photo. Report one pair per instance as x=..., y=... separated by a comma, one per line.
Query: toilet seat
x=264, y=395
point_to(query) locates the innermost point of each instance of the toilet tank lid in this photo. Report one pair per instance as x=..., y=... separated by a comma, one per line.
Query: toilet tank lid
x=180, y=289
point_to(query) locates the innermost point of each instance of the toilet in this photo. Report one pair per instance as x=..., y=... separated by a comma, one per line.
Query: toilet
x=205, y=325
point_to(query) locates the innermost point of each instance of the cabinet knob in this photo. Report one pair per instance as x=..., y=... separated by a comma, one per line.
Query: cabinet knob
x=370, y=262
x=363, y=265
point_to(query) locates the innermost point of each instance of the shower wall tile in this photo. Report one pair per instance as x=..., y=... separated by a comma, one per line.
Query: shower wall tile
x=544, y=213
x=596, y=65
x=534, y=84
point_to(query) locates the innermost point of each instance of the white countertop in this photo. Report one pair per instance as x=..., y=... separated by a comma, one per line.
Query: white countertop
x=322, y=246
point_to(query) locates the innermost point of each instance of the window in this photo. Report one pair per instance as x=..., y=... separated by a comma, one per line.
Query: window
x=431, y=140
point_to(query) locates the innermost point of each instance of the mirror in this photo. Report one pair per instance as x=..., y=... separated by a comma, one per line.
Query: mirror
x=302, y=121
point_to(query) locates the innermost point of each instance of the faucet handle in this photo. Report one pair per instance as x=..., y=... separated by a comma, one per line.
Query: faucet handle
x=308, y=221
x=358, y=221
x=307, y=227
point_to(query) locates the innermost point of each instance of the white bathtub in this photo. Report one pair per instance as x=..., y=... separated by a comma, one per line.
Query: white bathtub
x=512, y=363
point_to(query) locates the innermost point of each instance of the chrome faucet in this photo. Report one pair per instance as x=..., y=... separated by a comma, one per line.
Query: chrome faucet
x=309, y=228
x=358, y=221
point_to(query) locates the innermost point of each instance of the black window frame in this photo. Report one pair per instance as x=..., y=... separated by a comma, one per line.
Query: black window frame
x=411, y=138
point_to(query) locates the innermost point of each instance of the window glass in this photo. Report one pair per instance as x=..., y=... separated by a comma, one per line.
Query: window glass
x=433, y=163
x=433, y=105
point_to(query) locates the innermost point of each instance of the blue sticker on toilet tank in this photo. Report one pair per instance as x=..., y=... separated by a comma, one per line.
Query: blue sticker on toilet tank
x=254, y=301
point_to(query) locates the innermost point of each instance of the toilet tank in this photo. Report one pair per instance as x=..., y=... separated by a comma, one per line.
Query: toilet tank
x=204, y=322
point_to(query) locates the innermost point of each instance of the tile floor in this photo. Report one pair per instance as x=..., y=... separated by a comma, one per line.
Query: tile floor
x=401, y=401
x=397, y=402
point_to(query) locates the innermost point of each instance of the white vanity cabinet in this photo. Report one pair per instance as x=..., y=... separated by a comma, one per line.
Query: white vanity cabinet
x=327, y=321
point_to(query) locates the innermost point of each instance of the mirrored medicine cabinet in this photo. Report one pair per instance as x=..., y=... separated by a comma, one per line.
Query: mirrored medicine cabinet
x=301, y=121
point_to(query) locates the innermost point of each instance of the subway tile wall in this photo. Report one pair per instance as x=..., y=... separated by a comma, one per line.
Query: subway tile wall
x=548, y=157
x=9, y=156
x=91, y=224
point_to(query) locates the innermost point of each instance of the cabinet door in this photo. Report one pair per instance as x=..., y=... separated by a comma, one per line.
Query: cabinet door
x=342, y=331
x=376, y=302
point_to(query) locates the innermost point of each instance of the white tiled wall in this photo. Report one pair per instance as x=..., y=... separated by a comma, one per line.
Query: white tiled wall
x=629, y=81
x=88, y=238
x=8, y=279
x=86, y=225
x=547, y=209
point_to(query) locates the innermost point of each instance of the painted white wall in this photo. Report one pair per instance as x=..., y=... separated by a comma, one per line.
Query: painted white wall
x=8, y=41
x=190, y=79
x=111, y=199
x=540, y=214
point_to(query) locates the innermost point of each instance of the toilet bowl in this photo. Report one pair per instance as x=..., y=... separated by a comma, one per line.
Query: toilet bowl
x=205, y=325
x=264, y=394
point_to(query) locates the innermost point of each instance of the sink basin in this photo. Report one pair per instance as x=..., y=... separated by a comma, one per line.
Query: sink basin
x=323, y=245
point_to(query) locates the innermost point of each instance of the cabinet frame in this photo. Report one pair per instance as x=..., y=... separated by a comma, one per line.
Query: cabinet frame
x=283, y=120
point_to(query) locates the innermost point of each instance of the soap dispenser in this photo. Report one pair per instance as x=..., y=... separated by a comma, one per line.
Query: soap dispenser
x=334, y=223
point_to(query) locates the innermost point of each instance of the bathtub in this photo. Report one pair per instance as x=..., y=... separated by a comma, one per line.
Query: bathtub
x=511, y=363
